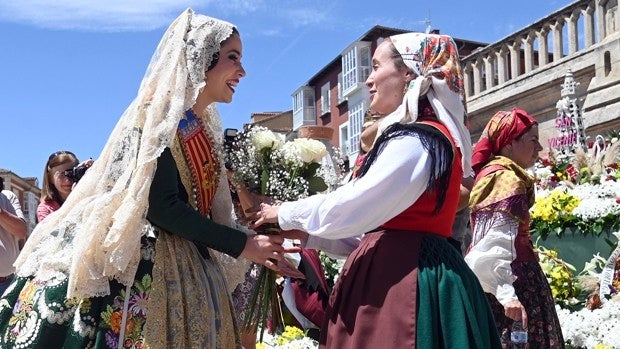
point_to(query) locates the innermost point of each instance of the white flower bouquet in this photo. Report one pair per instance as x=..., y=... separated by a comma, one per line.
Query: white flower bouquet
x=263, y=163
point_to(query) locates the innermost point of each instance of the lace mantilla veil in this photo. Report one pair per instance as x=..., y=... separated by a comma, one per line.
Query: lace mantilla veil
x=95, y=236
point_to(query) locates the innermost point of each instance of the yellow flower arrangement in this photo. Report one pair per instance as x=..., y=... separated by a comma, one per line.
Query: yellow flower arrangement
x=560, y=276
x=290, y=333
x=551, y=213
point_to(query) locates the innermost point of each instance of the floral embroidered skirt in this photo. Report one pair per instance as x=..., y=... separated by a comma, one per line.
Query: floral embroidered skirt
x=534, y=293
x=404, y=289
x=162, y=309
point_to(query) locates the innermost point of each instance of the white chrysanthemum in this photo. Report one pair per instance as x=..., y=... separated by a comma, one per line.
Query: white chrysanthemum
x=543, y=172
x=588, y=328
x=593, y=208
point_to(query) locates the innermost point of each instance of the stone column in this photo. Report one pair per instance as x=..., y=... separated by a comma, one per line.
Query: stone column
x=600, y=19
x=515, y=58
x=557, y=39
x=543, y=46
x=489, y=71
x=501, y=65
x=467, y=79
x=588, y=24
x=477, y=68
x=528, y=44
x=573, y=43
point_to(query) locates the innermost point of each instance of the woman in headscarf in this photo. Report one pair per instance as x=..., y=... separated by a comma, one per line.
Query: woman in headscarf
x=405, y=285
x=501, y=253
x=131, y=258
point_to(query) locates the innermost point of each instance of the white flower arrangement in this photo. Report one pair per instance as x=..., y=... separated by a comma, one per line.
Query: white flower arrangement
x=264, y=163
x=597, y=325
x=587, y=328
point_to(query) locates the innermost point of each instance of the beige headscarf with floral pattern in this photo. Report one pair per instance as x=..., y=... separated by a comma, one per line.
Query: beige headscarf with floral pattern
x=434, y=59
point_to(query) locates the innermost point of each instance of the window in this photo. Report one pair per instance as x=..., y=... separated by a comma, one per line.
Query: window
x=356, y=121
x=364, y=64
x=325, y=100
x=344, y=139
x=349, y=69
x=340, y=95
x=297, y=98
x=303, y=107
x=356, y=64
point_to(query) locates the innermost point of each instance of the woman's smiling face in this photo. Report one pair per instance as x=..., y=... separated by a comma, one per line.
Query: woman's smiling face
x=224, y=77
x=387, y=80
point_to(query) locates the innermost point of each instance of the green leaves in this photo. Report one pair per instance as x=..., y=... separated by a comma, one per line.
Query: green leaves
x=316, y=185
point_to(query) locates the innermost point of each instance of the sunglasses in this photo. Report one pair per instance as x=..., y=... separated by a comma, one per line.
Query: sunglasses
x=61, y=152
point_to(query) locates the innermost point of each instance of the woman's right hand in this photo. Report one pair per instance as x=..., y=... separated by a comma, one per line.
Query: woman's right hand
x=516, y=311
x=268, y=251
x=267, y=214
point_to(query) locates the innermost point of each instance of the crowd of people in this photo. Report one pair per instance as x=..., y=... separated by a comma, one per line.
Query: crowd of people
x=146, y=250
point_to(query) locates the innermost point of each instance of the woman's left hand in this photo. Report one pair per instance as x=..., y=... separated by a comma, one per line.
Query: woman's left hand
x=267, y=214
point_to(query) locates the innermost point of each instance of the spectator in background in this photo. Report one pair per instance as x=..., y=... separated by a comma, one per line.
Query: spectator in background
x=58, y=181
x=13, y=228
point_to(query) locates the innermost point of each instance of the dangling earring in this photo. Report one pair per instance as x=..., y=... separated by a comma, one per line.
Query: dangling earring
x=406, y=88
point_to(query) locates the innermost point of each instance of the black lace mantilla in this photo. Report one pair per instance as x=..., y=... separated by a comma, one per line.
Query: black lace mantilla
x=434, y=142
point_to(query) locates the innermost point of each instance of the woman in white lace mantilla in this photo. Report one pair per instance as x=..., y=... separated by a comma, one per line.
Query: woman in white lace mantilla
x=132, y=259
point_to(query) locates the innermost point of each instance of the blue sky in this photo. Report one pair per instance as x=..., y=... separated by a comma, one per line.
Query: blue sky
x=69, y=68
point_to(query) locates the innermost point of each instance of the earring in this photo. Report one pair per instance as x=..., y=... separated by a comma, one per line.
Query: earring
x=407, y=86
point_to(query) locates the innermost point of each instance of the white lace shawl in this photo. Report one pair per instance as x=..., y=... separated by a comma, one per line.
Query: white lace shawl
x=95, y=235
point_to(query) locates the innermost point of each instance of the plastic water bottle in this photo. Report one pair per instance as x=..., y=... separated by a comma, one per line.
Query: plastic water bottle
x=518, y=336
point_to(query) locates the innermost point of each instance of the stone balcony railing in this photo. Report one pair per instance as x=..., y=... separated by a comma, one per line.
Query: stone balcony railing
x=569, y=30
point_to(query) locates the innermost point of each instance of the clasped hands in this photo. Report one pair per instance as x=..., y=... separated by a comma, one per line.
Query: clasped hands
x=266, y=249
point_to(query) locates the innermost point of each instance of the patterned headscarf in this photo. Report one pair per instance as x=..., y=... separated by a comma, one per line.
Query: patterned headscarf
x=434, y=59
x=503, y=128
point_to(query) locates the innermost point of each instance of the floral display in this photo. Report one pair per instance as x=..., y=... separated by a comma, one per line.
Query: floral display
x=264, y=163
x=597, y=322
x=581, y=193
x=587, y=328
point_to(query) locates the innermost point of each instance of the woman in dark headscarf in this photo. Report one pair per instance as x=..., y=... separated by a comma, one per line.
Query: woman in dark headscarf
x=501, y=253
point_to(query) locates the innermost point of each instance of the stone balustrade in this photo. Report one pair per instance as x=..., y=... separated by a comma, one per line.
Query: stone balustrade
x=569, y=30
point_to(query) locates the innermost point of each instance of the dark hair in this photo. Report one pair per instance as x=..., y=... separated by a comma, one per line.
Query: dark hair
x=397, y=57
x=49, y=191
x=216, y=56
x=1, y=183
